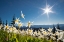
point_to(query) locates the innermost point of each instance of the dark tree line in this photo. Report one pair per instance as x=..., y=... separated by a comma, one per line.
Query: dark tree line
x=0, y=21
x=12, y=22
x=54, y=29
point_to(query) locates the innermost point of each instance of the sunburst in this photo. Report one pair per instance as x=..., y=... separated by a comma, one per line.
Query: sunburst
x=47, y=9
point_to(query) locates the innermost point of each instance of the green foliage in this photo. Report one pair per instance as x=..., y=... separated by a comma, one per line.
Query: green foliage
x=12, y=37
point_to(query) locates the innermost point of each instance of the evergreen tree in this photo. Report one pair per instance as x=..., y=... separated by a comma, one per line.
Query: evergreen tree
x=0, y=21
x=53, y=29
x=6, y=22
x=13, y=21
x=3, y=24
x=58, y=27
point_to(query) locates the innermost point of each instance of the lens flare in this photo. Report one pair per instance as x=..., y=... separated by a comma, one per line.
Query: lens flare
x=47, y=10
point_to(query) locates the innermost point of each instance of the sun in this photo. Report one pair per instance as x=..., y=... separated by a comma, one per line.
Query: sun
x=47, y=10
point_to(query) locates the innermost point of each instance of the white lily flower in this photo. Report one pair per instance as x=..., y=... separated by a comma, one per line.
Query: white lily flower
x=39, y=33
x=63, y=40
x=1, y=26
x=42, y=29
x=22, y=15
x=6, y=26
x=61, y=36
x=13, y=29
x=44, y=32
x=17, y=21
x=57, y=33
x=29, y=32
x=35, y=33
x=20, y=24
x=50, y=29
x=29, y=24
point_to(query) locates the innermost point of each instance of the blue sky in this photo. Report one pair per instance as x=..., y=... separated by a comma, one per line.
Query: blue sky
x=31, y=10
